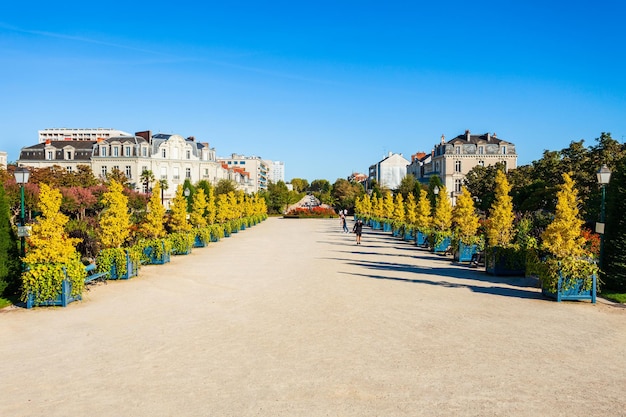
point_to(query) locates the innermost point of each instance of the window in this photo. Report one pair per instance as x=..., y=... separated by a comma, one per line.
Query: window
x=188, y=154
x=163, y=153
x=437, y=166
x=481, y=163
x=188, y=173
x=103, y=151
x=457, y=186
x=481, y=150
x=116, y=168
x=104, y=171
x=128, y=172
x=144, y=151
x=127, y=151
x=68, y=155
x=116, y=151
x=144, y=168
x=504, y=150
x=69, y=169
x=50, y=155
x=176, y=174
x=457, y=166
x=206, y=172
x=163, y=173
x=457, y=150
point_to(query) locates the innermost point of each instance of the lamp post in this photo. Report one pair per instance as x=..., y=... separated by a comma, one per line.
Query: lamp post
x=21, y=177
x=604, y=176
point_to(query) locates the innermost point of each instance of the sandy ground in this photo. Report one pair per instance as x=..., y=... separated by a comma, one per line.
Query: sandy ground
x=291, y=318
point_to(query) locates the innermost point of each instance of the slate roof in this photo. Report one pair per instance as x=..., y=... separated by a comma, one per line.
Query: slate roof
x=83, y=149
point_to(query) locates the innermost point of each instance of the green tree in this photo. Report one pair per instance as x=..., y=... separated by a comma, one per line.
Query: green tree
x=9, y=255
x=614, y=259
x=119, y=177
x=115, y=219
x=407, y=186
x=147, y=178
x=277, y=197
x=299, y=185
x=480, y=181
x=320, y=186
x=225, y=186
x=344, y=193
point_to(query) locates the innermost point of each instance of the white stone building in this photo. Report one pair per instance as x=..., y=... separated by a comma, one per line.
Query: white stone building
x=79, y=134
x=256, y=167
x=389, y=171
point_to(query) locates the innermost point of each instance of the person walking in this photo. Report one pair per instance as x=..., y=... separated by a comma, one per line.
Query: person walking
x=344, y=223
x=358, y=230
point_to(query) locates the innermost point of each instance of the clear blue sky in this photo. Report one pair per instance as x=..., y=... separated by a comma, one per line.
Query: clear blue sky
x=328, y=87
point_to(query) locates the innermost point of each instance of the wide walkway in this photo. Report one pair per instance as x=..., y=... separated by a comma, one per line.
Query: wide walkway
x=291, y=318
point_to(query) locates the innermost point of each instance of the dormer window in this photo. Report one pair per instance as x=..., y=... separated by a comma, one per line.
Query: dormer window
x=504, y=150
x=103, y=151
x=163, y=153
x=116, y=151
x=68, y=155
x=127, y=151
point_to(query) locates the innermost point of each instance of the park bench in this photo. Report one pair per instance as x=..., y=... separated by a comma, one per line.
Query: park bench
x=478, y=259
x=93, y=275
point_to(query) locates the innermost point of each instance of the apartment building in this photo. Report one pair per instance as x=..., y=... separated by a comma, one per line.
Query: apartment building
x=257, y=168
x=389, y=171
x=79, y=134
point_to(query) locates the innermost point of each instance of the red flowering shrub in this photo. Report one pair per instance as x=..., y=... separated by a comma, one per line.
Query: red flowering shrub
x=317, y=212
x=592, y=244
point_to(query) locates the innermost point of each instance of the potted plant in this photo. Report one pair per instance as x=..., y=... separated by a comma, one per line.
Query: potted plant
x=441, y=234
x=502, y=257
x=181, y=242
x=567, y=271
x=466, y=239
x=53, y=273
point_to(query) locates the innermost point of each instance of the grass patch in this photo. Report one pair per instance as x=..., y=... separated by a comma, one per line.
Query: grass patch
x=618, y=297
x=5, y=302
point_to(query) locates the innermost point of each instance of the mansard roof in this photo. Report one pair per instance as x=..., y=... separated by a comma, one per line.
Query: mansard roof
x=83, y=149
x=467, y=137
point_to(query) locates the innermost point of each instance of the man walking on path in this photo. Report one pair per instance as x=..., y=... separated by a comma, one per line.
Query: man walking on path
x=358, y=229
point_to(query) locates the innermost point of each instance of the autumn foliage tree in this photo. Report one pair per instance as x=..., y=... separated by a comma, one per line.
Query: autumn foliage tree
x=500, y=225
x=465, y=218
x=442, y=216
x=198, y=208
x=152, y=226
x=178, y=218
x=423, y=213
x=115, y=219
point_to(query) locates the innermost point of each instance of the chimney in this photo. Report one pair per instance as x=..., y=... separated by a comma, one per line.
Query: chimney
x=47, y=141
x=146, y=134
x=488, y=136
x=192, y=138
x=494, y=135
x=467, y=135
x=443, y=139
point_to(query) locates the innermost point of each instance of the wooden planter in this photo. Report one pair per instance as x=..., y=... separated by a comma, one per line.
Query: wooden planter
x=575, y=292
x=465, y=252
x=157, y=260
x=421, y=239
x=132, y=270
x=443, y=246
x=63, y=299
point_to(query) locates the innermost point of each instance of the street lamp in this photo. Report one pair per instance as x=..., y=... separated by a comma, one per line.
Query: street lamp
x=21, y=177
x=187, y=192
x=436, y=190
x=604, y=176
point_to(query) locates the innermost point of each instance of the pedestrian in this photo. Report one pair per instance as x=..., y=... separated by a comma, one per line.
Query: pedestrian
x=344, y=223
x=358, y=229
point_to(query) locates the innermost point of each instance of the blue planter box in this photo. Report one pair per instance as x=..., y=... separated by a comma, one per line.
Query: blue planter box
x=198, y=243
x=408, y=234
x=420, y=239
x=396, y=232
x=153, y=259
x=62, y=299
x=386, y=227
x=132, y=270
x=376, y=225
x=574, y=293
x=465, y=252
x=443, y=246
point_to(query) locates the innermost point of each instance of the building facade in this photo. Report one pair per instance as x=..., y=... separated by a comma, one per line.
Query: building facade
x=79, y=134
x=169, y=157
x=256, y=167
x=3, y=160
x=452, y=160
x=276, y=171
x=389, y=171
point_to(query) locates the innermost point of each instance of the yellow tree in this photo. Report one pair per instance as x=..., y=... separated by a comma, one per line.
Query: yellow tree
x=442, y=217
x=423, y=218
x=152, y=227
x=563, y=237
x=48, y=242
x=379, y=211
x=178, y=217
x=211, y=207
x=410, y=215
x=465, y=217
x=398, y=209
x=500, y=225
x=115, y=219
x=222, y=208
x=367, y=205
x=388, y=206
x=198, y=207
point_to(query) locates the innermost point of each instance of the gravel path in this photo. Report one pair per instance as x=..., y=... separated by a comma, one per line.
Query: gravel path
x=291, y=318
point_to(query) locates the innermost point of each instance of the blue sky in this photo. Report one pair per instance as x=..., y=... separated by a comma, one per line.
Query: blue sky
x=328, y=87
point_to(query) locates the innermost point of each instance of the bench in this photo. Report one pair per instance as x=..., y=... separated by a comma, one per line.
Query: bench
x=478, y=259
x=93, y=276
